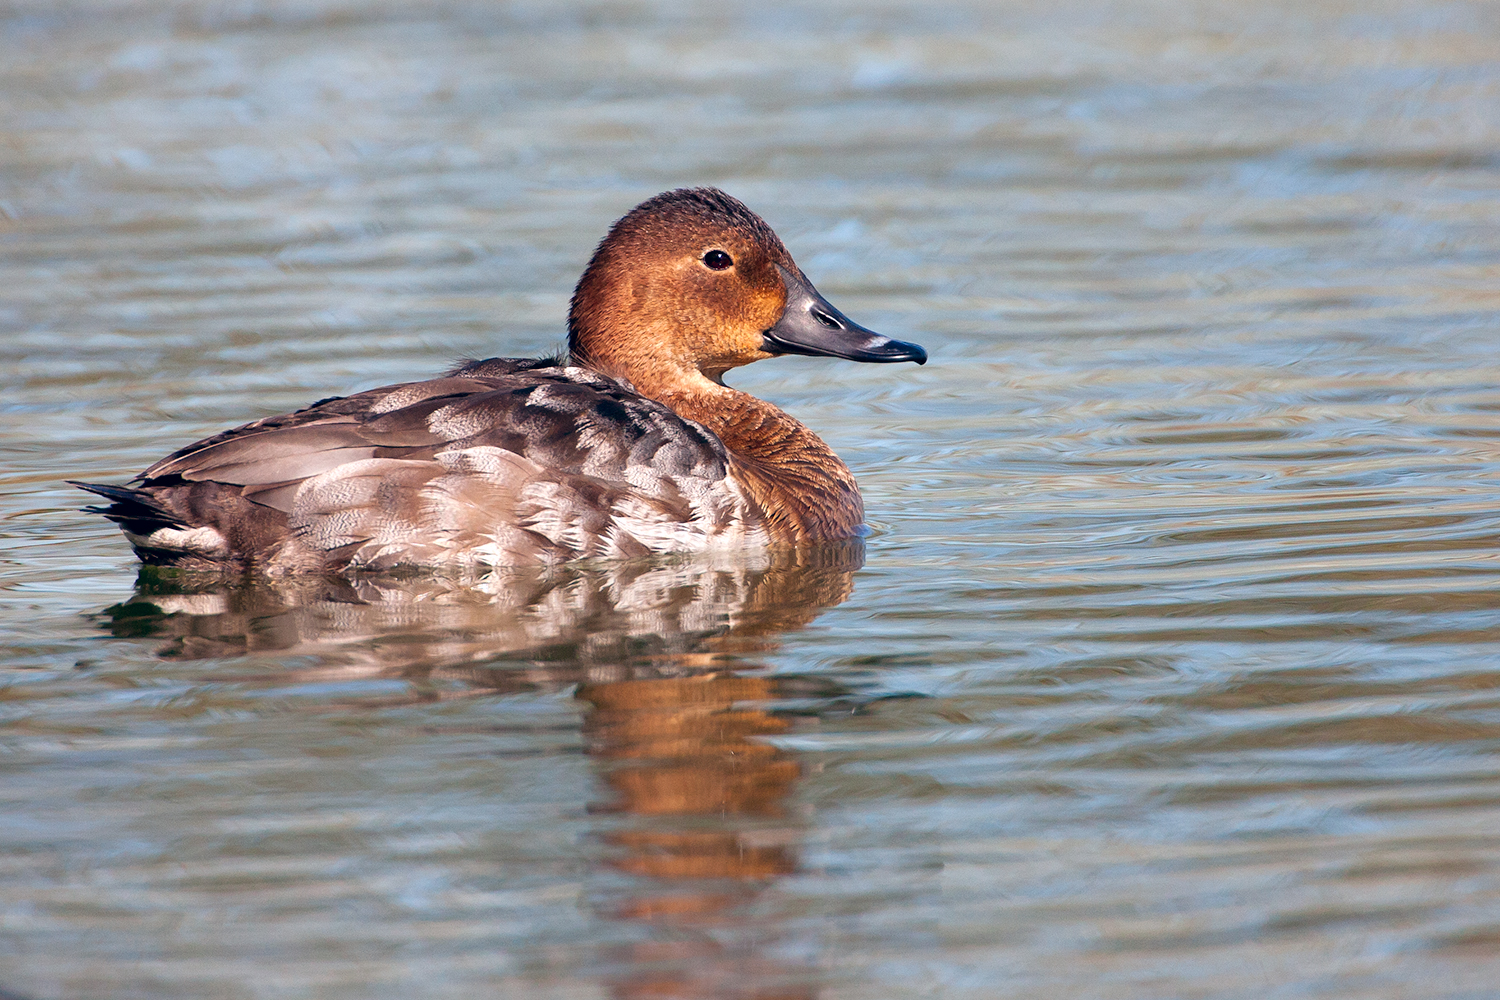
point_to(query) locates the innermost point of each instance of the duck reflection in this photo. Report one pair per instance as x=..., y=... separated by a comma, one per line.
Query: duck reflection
x=695, y=814
x=514, y=630
x=707, y=805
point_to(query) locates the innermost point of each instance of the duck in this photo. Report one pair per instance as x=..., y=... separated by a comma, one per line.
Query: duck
x=627, y=445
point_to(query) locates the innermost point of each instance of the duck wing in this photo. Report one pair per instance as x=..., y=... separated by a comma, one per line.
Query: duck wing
x=501, y=462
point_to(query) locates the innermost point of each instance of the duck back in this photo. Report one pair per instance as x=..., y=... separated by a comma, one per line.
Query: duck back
x=499, y=462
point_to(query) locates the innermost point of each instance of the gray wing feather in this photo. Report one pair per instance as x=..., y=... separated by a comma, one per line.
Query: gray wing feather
x=506, y=462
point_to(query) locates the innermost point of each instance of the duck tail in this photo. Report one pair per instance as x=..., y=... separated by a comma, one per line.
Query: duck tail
x=137, y=511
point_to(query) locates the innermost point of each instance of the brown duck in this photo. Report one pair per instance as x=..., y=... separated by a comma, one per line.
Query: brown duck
x=631, y=445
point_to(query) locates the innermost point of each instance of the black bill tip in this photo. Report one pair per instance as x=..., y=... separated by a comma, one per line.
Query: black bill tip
x=811, y=325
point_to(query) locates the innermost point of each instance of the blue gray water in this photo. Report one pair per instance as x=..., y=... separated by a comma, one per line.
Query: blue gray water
x=1172, y=669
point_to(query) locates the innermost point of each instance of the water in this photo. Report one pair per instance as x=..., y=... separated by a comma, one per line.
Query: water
x=1171, y=670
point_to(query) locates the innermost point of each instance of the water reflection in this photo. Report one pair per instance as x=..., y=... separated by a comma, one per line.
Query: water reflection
x=693, y=818
x=512, y=630
x=679, y=753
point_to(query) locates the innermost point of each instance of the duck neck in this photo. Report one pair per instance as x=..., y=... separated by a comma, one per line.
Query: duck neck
x=804, y=490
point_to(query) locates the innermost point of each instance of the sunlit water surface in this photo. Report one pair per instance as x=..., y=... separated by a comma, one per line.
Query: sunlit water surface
x=1170, y=671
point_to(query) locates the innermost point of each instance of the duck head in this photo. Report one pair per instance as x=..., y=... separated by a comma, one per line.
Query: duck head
x=691, y=284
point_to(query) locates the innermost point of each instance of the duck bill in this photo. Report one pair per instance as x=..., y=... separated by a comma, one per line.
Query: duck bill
x=810, y=325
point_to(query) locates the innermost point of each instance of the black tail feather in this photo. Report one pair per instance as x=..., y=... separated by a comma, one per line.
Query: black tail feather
x=137, y=511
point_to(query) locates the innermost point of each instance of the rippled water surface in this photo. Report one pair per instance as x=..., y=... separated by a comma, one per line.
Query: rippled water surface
x=1170, y=671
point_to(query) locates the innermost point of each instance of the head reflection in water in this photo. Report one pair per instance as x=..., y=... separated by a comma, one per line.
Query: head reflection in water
x=701, y=806
x=693, y=805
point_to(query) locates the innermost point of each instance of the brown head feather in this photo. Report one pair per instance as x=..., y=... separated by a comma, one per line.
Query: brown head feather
x=649, y=310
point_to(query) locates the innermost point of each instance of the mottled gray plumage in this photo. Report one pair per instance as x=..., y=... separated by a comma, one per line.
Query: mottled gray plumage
x=500, y=462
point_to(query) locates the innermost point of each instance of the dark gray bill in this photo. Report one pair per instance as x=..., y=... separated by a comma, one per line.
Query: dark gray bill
x=811, y=326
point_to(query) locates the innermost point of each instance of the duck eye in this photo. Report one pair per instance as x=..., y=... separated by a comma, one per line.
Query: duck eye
x=717, y=260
